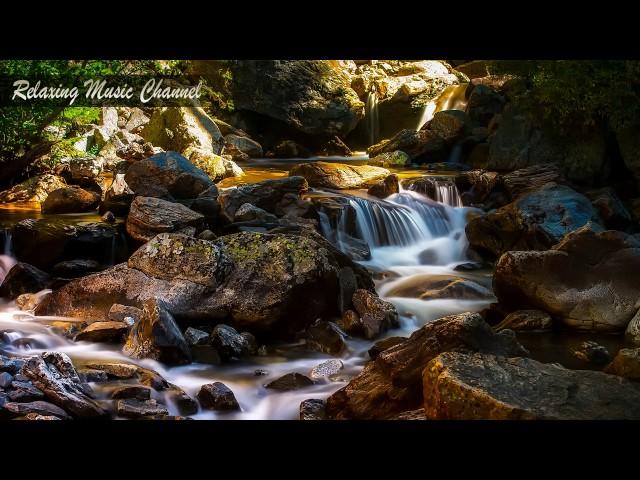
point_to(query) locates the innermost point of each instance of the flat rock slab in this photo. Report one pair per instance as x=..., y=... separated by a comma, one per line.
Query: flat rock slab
x=469, y=386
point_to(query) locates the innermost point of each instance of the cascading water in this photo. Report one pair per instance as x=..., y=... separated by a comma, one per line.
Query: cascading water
x=6, y=258
x=371, y=115
x=451, y=98
x=441, y=190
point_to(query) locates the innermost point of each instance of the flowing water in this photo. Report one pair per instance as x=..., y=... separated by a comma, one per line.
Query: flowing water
x=371, y=117
x=409, y=236
x=451, y=98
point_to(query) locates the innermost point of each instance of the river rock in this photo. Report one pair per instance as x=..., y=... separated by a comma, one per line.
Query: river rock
x=124, y=313
x=290, y=381
x=423, y=146
x=103, y=332
x=134, y=408
x=183, y=402
x=23, y=391
x=267, y=195
x=632, y=333
x=118, y=197
x=45, y=242
x=71, y=199
x=181, y=257
x=179, y=128
x=531, y=178
x=217, y=396
x=471, y=386
x=626, y=364
x=245, y=144
x=24, y=278
x=150, y=216
x=376, y=315
x=193, y=336
x=312, y=409
x=610, y=208
x=309, y=96
x=55, y=375
x=35, y=189
x=392, y=383
x=393, y=159
x=434, y=287
x=327, y=369
x=167, y=175
x=5, y=379
x=157, y=336
x=85, y=168
x=251, y=213
x=117, y=370
x=526, y=321
x=384, y=188
x=338, y=175
x=592, y=352
x=10, y=364
x=76, y=268
x=450, y=125
x=535, y=221
x=475, y=186
x=384, y=344
x=139, y=392
x=483, y=104
x=573, y=280
x=228, y=342
x=38, y=407
x=325, y=337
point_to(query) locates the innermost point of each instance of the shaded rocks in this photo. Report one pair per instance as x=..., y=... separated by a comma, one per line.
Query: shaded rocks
x=526, y=321
x=423, y=146
x=312, y=409
x=134, y=408
x=103, y=332
x=632, y=333
x=229, y=343
x=71, y=199
x=139, y=392
x=531, y=178
x=374, y=315
x=37, y=407
x=574, y=280
x=592, y=352
x=268, y=195
x=325, y=337
x=610, y=208
x=156, y=335
x=35, y=189
x=118, y=197
x=193, y=336
x=483, y=104
x=626, y=364
x=535, y=221
x=167, y=175
x=338, y=175
x=450, y=125
x=309, y=96
x=245, y=145
x=290, y=381
x=392, y=383
x=384, y=344
x=76, y=268
x=217, y=396
x=384, y=188
x=24, y=278
x=54, y=374
x=150, y=216
x=465, y=386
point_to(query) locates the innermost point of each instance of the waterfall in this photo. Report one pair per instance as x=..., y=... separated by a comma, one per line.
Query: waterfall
x=439, y=189
x=6, y=259
x=371, y=114
x=451, y=98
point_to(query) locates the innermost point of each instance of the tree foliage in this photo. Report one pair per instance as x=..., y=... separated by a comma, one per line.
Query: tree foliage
x=579, y=91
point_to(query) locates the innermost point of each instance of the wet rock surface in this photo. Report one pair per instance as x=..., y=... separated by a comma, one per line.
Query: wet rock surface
x=312, y=409
x=290, y=381
x=337, y=175
x=150, y=216
x=473, y=385
x=217, y=396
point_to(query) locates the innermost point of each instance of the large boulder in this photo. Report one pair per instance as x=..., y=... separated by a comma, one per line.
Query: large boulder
x=310, y=96
x=475, y=386
x=71, y=199
x=629, y=145
x=24, y=278
x=149, y=216
x=535, y=221
x=423, y=146
x=338, y=175
x=118, y=197
x=245, y=145
x=36, y=189
x=267, y=195
x=523, y=139
x=267, y=284
x=392, y=383
x=483, y=104
x=167, y=175
x=181, y=128
x=450, y=125
x=588, y=280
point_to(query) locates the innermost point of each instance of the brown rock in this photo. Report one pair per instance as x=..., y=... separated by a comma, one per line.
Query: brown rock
x=526, y=321
x=626, y=364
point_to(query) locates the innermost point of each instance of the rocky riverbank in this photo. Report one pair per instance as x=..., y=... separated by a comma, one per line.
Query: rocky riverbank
x=405, y=284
